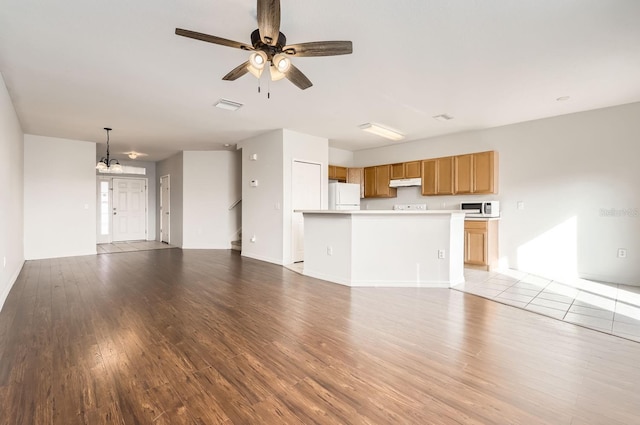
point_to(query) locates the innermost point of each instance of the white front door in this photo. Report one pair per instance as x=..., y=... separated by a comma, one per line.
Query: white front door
x=129, y=209
x=165, y=208
x=306, y=195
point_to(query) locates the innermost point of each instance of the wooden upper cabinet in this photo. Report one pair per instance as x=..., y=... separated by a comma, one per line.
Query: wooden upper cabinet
x=337, y=173
x=464, y=173
x=356, y=176
x=383, y=177
x=476, y=173
x=485, y=172
x=397, y=171
x=405, y=170
x=412, y=170
x=376, y=182
x=369, y=182
x=438, y=176
x=429, y=177
x=446, y=179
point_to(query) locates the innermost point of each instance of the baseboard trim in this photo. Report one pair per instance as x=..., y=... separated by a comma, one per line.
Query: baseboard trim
x=12, y=281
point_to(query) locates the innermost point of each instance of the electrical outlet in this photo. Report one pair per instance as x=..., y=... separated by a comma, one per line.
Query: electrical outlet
x=329, y=250
x=441, y=254
x=520, y=205
x=4, y=262
x=253, y=239
x=622, y=253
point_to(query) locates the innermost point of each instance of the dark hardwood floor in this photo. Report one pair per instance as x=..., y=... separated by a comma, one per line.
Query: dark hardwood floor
x=209, y=337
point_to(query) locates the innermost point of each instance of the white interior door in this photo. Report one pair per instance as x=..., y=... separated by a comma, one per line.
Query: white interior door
x=165, y=208
x=306, y=195
x=129, y=209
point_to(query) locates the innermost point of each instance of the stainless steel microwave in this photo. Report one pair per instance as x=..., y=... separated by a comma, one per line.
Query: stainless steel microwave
x=481, y=209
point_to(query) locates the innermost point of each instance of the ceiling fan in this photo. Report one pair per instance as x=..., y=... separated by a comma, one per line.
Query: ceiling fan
x=269, y=45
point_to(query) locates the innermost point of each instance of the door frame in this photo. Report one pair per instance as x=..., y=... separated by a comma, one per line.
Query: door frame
x=161, y=204
x=292, y=259
x=109, y=238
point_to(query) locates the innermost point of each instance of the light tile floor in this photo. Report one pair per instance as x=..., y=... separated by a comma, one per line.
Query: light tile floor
x=128, y=246
x=609, y=308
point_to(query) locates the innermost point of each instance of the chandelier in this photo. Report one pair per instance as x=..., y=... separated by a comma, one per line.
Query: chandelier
x=107, y=165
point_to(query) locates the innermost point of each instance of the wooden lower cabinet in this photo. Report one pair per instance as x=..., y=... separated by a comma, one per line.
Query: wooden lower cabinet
x=481, y=244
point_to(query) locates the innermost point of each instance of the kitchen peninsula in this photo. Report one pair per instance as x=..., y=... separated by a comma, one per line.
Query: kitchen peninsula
x=385, y=248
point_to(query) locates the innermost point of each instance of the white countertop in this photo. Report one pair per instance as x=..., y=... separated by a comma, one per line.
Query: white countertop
x=481, y=218
x=382, y=212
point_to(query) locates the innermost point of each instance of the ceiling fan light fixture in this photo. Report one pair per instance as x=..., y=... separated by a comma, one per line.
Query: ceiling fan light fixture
x=281, y=62
x=382, y=131
x=258, y=59
x=257, y=62
x=275, y=74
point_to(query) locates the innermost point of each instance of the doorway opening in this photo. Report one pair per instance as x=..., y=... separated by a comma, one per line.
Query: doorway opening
x=306, y=195
x=165, y=209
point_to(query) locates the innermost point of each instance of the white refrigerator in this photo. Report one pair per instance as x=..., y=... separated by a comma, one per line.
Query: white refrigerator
x=344, y=196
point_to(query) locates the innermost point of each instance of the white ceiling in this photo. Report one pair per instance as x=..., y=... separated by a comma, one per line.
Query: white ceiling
x=76, y=66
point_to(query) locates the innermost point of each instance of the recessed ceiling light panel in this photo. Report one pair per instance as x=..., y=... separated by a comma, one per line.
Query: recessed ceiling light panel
x=229, y=105
x=382, y=131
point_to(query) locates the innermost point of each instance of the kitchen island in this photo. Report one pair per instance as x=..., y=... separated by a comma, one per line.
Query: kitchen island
x=385, y=247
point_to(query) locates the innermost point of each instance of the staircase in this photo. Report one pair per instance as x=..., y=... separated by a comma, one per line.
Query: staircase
x=237, y=244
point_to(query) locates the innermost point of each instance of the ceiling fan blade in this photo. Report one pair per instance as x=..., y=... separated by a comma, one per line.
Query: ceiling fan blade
x=212, y=39
x=319, y=48
x=237, y=72
x=269, y=21
x=298, y=78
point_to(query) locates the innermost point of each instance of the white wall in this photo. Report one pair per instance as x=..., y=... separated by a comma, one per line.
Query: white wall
x=173, y=167
x=570, y=171
x=300, y=147
x=262, y=205
x=208, y=193
x=59, y=197
x=11, y=194
x=267, y=208
x=340, y=157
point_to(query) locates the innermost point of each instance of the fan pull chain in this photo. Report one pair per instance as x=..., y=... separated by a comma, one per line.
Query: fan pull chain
x=269, y=88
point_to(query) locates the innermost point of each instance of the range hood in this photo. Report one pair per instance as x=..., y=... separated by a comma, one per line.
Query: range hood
x=406, y=182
